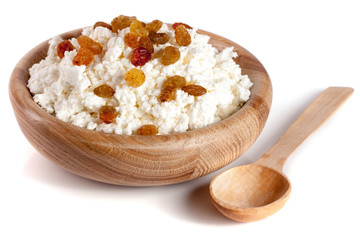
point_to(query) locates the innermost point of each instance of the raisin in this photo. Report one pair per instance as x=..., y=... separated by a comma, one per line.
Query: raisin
x=140, y=56
x=104, y=91
x=102, y=24
x=107, y=114
x=175, y=25
x=158, y=38
x=145, y=42
x=175, y=82
x=154, y=25
x=170, y=55
x=86, y=42
x=182, y=36
x=131, y=40
x=135, y=77
x=83, y=57
x=139, y=28
x=194, y=90
x=63, y=47
x=121, y=22
x=157, y=54
x=167, y=94
x=147, y=129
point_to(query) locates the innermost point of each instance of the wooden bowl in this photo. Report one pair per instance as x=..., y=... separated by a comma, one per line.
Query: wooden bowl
x=142, y=160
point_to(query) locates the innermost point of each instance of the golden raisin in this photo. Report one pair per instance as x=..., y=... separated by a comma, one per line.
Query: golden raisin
x=121, y=22
x=170, y=55
x=147, y=129
x=135, y=77
x=145, y=42
x=175, y=25
x=83, y=57
x=86, y=42
x=157, y=54
x=175, y=82
x=194, y=90
x=140, y=56
x=107, y=114
x=102, y=24
x=104, y=91
x=139, y=28
x=63, y=47
x=167, y=94
x=131, y=40
x=158, y=38
x=154, y=25
x=182, y=36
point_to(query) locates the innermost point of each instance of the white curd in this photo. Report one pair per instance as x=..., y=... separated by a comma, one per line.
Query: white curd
x=66, y=90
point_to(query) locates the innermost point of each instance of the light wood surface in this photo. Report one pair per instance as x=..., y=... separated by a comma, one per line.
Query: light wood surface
x=258, y=190
x=142, y=160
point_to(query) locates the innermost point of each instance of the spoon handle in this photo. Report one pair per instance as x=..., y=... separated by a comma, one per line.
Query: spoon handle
x=314, y=115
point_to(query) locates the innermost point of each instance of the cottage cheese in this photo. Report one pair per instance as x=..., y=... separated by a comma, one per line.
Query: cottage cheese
x=66, y=90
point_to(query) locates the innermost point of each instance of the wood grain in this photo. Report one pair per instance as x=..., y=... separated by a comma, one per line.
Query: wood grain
x=142, y=160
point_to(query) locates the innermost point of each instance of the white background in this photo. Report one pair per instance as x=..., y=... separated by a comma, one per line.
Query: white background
x=305, y=46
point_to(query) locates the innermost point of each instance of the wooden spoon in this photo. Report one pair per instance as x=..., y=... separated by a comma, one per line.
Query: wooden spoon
x=255, y=191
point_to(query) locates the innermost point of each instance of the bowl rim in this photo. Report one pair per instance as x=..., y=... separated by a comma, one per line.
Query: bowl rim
x=29, y=104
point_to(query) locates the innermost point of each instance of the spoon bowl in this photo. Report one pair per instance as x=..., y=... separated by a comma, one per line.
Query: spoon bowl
x=255, y=191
